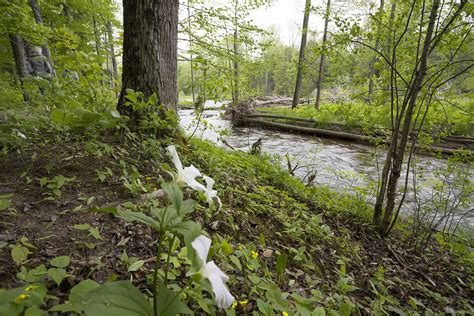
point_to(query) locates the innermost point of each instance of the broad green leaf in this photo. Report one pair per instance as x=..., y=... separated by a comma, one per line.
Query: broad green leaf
x=57, y=274
x=187, y=207
x=19, y=253
x=60, y=262
x=188, y=229
x=131, y=216
x=109, y=299
x=175, y=194
x=168, y=303
x=81, y=289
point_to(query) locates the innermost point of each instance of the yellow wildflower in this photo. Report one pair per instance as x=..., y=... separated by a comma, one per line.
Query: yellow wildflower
x=284, y=314
x=148, y=178
x=254, y=254
x=239, y=247
x=21, y=298
x=244, y=302
x=31, y=288
x=234, y=305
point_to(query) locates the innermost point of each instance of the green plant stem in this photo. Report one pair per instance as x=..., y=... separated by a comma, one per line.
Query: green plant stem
x=168, y=258
x=155, y=274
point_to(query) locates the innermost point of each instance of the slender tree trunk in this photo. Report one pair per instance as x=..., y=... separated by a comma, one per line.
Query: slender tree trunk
x=97, y=36
x=19, y=55
x=319, y=83
x=38, y=18
x=397, y=150
x=191, y=55
x=372, y=71
x=236, y=92
x=150, y=51
x=112, y=50
x=304, y=36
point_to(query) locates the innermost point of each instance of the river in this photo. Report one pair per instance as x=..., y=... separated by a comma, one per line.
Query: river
x=343, y=166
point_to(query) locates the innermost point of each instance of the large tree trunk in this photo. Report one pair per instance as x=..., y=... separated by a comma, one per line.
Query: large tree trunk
x=372, y=71
x=38, y=18
x=319, y=84
x=150, y=51
x=304, y=36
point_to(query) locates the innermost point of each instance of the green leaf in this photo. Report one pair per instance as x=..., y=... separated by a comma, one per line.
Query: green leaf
x=19, y=254
x=82, y=289
x=95, y=233
x=136, y=266
x=35, y=311
x=345, y=309
x=282, y=260
x=5, y=201
x=187, y=207
x=168, y=303
x=82, y=226
x=188, y=229
x=236, y=262
x=131, y=216
x=57, y=274
x=109, y=299
x=319, y=311
x=226, y=247
x=264, y=308
x=60, y=262
x=175, y=194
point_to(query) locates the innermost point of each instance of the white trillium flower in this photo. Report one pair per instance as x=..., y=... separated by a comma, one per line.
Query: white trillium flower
x=209, y=192
x=185, y=176
x=211, y=271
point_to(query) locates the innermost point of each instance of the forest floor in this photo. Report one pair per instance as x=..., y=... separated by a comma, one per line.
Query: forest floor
x=335, y=254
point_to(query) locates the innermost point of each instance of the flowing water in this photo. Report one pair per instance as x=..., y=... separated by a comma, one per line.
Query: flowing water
x=343, y=166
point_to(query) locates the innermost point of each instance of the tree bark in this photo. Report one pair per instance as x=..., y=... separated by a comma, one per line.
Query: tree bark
x=304, y=36
x=19, y=55
x=150, y=51
x=372, y=71
x=39, y=19
x=323, y=56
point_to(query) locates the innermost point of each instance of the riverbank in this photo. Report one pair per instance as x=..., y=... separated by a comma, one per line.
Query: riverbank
x=362, y=118
x=335, y=261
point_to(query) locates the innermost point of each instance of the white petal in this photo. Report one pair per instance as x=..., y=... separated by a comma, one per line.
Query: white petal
x=209, y=182
x=175, y=158
x=212, y=269
x=223, y=297
x=201, y=245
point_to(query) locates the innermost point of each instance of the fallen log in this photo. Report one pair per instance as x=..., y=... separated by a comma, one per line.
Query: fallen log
x=296, y=119
x=431, y=150
x=309, y=130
